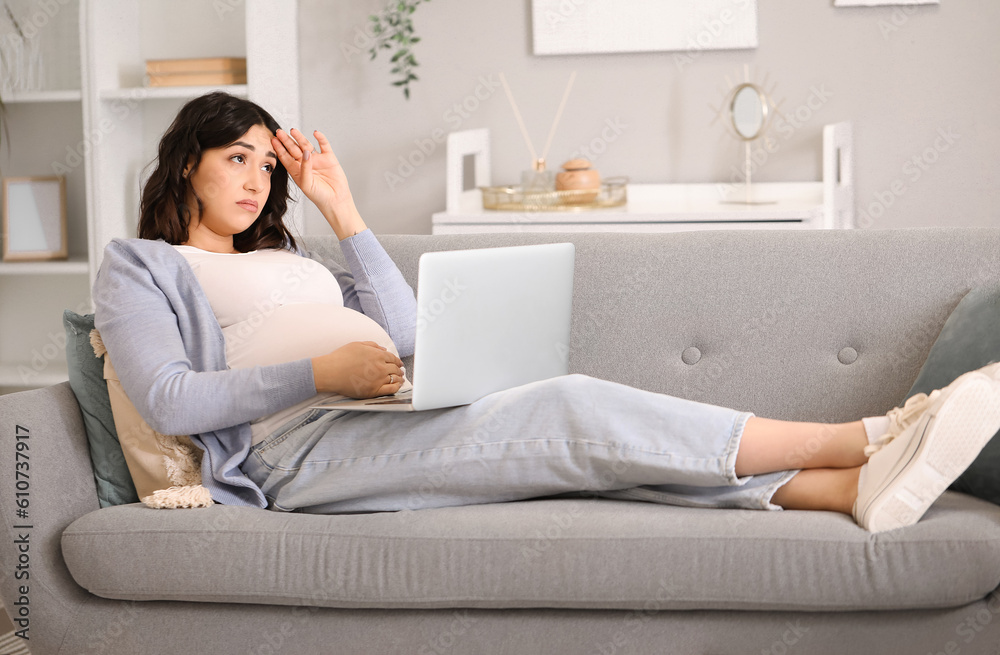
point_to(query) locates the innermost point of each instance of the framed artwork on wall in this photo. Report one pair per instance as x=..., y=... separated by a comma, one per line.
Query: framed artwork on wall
x=569, y=27
x=34, y=218
x=880, y=3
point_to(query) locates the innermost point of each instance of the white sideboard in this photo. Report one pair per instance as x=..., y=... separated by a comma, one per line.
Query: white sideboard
x=825, y=204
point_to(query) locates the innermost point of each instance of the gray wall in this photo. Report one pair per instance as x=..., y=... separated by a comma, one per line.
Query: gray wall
x=905, y=76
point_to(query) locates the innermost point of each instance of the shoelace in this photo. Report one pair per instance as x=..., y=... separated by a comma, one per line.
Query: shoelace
x=901, y=417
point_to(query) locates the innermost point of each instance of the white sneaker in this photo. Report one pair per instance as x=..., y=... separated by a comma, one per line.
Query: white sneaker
x=910, y=471
x=901, y=418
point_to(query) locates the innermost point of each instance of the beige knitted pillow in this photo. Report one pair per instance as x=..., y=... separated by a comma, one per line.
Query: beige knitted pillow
x=166, y=470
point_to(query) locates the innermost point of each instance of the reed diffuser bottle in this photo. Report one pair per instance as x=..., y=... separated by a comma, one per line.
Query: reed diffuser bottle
x=537, y=178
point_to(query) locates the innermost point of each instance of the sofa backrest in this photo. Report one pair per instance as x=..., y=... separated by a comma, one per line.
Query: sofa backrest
x=792, y=324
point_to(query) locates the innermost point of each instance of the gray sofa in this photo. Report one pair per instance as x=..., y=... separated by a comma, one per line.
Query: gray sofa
x=810, y=325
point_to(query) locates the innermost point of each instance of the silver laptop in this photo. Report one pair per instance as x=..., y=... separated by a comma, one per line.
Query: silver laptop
x=487, y=320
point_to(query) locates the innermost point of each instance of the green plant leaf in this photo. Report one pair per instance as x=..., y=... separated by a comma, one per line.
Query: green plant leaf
x=394, y=30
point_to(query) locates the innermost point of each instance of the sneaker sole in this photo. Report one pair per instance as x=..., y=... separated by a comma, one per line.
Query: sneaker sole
x=948, y=443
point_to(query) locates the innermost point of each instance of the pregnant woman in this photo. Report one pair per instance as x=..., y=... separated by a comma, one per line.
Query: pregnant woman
x=223, y=328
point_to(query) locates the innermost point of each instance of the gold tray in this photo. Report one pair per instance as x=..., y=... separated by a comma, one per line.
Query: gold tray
x=512, y=198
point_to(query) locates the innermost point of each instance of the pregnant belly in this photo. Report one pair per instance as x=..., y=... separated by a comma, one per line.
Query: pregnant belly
x=298, y=331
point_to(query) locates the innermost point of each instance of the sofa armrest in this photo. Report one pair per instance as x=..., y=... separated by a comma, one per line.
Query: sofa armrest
x=56, y=483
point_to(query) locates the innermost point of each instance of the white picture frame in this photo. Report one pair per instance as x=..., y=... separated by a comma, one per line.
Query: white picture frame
x=475, y=143
x=570, y=27
x=34, y=218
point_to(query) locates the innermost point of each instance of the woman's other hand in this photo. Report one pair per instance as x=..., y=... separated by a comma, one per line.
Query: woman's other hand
x=321, y=178
x=361, y=369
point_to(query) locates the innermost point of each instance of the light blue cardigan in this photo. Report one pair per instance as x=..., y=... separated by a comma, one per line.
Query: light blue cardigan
x=170, y=355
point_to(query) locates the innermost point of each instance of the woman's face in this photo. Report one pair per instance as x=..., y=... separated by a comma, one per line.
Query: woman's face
x=233, y=183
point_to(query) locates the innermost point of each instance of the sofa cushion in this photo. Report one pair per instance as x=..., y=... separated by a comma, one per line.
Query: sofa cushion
x=86, y=378
x=559, y=553
x=166, y=469
x=969, y=340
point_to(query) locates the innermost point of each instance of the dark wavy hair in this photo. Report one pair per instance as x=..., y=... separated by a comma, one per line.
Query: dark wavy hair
x=214, y=120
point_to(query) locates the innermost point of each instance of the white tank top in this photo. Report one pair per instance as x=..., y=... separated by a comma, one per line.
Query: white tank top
x=275, y=306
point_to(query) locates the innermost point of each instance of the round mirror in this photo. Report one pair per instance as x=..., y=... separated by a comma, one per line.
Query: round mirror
x=749, y=111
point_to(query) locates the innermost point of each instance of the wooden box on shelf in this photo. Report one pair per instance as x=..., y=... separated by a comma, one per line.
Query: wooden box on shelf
x=196, y=72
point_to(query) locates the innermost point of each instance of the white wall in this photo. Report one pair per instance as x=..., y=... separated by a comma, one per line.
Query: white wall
x=903, y=78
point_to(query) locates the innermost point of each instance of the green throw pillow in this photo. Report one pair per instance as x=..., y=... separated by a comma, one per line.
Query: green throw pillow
x=86, y=378
x=970, y=339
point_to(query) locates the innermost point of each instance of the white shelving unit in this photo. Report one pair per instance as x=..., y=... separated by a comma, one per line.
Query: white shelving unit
x=159, y=93
x=99, y=125
x=43, y=128
x=68, y=95
x=828, y=203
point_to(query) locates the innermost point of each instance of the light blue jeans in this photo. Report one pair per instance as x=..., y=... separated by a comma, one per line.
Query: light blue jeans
x=567, y=435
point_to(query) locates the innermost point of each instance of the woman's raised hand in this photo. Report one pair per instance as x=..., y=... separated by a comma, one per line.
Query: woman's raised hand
x=361, y=369
x=321, y=178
